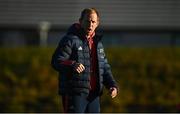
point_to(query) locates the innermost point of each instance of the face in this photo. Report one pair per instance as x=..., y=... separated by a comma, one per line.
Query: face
x=89, y=23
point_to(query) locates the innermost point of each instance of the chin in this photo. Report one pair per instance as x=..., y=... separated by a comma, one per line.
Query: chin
x=88, y=32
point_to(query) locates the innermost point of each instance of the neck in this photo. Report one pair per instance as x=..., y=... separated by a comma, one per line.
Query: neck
x=90, y=35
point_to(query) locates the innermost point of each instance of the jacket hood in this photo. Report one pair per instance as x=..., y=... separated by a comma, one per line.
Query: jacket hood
x=75, y=29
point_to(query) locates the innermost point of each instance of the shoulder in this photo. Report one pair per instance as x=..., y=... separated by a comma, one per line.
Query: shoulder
x=69, y=39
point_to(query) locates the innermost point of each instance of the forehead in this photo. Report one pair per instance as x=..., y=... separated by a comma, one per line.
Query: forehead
x=91, y=16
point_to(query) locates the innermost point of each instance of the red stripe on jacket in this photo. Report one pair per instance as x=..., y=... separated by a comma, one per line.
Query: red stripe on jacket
x=67, y=62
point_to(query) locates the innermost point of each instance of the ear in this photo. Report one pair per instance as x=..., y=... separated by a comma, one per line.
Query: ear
x=97, y=23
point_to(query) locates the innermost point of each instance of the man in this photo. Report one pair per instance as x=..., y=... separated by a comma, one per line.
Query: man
x=82, y=65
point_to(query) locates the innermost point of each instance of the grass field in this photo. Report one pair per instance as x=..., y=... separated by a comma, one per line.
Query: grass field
x=149, y=80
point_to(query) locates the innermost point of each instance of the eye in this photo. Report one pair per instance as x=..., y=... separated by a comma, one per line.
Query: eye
x=93, y=21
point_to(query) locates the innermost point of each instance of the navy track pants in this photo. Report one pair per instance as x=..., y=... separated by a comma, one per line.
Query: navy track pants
x=81, y=103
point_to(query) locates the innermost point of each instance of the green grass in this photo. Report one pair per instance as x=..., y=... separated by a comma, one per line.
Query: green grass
x=146, y=77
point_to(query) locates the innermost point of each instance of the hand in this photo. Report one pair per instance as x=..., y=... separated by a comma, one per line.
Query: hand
x=79, y=67
x=113, y=92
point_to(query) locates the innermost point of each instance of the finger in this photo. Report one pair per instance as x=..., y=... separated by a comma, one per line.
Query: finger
x=78, y=70
x=82, y=66
x=114, y=93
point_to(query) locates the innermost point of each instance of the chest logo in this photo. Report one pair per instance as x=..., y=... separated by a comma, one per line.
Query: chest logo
x=101, y=51
x=80, y=48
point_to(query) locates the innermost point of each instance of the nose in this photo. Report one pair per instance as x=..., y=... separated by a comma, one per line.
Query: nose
x=90, y=24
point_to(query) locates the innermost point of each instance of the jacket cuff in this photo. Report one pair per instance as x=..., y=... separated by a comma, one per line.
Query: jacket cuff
x=115, y=86
x=67, y=63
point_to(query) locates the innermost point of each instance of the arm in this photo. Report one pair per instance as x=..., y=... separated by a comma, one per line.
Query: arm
x=109, y=80
x=61, y=57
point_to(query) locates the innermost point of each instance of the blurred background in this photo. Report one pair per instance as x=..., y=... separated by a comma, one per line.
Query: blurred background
x=141, y=39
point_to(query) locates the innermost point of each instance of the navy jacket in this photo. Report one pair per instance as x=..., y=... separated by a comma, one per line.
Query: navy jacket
x=74, y=48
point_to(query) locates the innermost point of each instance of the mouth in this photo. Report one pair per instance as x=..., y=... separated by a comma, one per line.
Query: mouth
x=89, y=29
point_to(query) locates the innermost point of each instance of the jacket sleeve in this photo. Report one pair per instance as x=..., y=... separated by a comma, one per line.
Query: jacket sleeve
x=109, y=80
x=61, y=58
